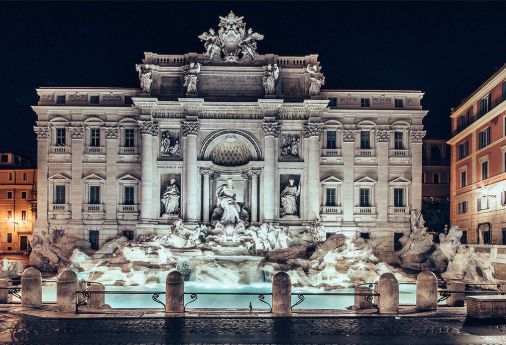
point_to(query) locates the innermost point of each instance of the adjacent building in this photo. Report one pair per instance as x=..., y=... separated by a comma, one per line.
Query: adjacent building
x=133, y=160
x=436, y=183
x=17, y=202
x=478, y=163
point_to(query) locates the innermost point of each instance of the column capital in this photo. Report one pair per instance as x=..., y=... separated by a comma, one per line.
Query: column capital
x=111, y=132
x=76, y=132
x=205, y=172
x=271, y=129
x=349, y=135
x=214, y=175
x=246, y=175
x=148, y=127
x=416, y=136
x=383, y=136
x=41, y=132
x=190, y=128
x=313, y=129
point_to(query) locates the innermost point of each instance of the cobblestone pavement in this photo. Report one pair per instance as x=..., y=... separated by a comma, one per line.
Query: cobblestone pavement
x=237, y=330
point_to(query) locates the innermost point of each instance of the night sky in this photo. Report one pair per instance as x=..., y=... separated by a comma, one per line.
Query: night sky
x=444, y=49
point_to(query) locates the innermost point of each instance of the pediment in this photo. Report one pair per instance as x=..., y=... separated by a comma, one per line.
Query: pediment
x=331, y=179
x=128, y=177
x=400, y=180
x=365, y=180
x=60, y=177
x=93, y=177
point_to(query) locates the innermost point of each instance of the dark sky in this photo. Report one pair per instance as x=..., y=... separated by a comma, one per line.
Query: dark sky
x=444, y=49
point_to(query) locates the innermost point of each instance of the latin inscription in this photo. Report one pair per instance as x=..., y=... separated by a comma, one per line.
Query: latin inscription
x=230, y=84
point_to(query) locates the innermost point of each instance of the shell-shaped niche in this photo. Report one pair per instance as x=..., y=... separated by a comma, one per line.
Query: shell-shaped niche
x=231, y=151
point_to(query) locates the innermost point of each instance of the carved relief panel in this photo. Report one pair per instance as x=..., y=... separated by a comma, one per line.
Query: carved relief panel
x=170, y=144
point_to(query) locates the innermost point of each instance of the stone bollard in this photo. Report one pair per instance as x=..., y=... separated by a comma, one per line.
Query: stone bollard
x=426, y=291
x=4, y=293
x=174, y=293
x=388, y=289
x=66, y=287
x=31, y=288
x=363, y=301
x=96, y=300
x=281, y=294
x=456, y=299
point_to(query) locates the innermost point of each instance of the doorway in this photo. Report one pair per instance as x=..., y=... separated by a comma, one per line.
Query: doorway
x=23, y=243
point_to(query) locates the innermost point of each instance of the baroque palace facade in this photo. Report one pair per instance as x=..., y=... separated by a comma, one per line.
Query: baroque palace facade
x=228, y=127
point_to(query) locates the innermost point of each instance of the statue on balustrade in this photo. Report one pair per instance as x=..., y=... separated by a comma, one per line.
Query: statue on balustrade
x=191, y=78
x=170, y=198
x=145, y=79
x=228, y=211
x=270, y=77
x=289, y=197
x=317, y=79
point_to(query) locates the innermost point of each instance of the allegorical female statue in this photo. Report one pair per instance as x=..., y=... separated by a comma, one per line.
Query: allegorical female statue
x=170, y=198
x=289, y=197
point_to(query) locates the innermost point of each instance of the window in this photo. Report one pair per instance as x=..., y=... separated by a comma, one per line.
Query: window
x=484, y=170
x=399, y=197
x=331, y=140
x=60, y=137
x=463, y=149
x=25, y=176
x=10, y=176
x=129, y=196
x=463, y=178
x=129, y=137
x=365, y=235
x=94, y=197
x=462, y=121
x=482, y=203
x=60, y=99
x=398, y=141
x=23, y=215
x=399, y=103
x=436, y=178
x=503, y=197
x=503, y=91
x=462, y=207
x=484, y=233
x=9, y=195
x=9, y=237
x=365, y=102
x=365, y=140
x=330, y=197
x=503, y=231
x=59, y=194
x=94, y=99
x=4, y=158
x=365, y=197
x=423, y=177
x=95, y=137
x=484, y=138
x=463, y=239
x=9, y=215
x=485, y=105
x=23, y=195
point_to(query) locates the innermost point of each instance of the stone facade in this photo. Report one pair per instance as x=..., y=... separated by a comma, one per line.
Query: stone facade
x=355, y=157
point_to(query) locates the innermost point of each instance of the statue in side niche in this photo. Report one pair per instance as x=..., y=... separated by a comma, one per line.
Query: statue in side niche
x=170, y=198
x=289, y=197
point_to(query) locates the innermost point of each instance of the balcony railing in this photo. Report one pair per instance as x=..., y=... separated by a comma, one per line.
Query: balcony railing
x=331, y=152
x=97, y=150
x=331, y=209
x=472, y=118
x=61, y=207
x=399, y=153
x=364, y=210
x=93, y=208
x=128, y=208
x=128, y=150
x=364, y=153
x=60, y=149
x=398, y=210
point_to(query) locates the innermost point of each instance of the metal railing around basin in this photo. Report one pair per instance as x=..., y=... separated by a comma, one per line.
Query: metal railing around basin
x=86, y=294
x=260, y=296
x=368, y=296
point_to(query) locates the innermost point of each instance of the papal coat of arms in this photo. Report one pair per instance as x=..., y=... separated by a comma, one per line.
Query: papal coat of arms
x=232, y=43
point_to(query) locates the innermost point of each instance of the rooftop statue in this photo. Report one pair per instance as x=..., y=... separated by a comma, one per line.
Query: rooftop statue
x=144, y=78
x=317, y=79
x=232, y=43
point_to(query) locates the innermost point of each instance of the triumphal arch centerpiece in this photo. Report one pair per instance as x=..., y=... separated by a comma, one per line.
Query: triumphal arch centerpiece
x=228, y=139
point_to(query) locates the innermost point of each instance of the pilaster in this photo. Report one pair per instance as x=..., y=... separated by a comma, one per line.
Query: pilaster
x=190, y=130
x=271, y=133
x=312, y=131
x=147, y=129
x=76, y=192
x=348, y=153
x=383, y=139
x=111, y=190
x=416, y=168
x=42, y=134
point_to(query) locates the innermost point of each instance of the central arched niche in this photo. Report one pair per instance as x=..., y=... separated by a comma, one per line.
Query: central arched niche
x=230, y=148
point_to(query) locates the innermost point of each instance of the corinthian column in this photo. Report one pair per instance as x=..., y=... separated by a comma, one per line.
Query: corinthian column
x=254, y=196
x=312, y=132
x=190, y=130
x=415, y=138
x=147, y=129
x=349, y=172
x=381, y=190
x=271, y=132
x=76, y=193
x=42, y=134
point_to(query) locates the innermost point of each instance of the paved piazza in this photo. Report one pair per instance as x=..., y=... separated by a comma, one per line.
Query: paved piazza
x=245, y=330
